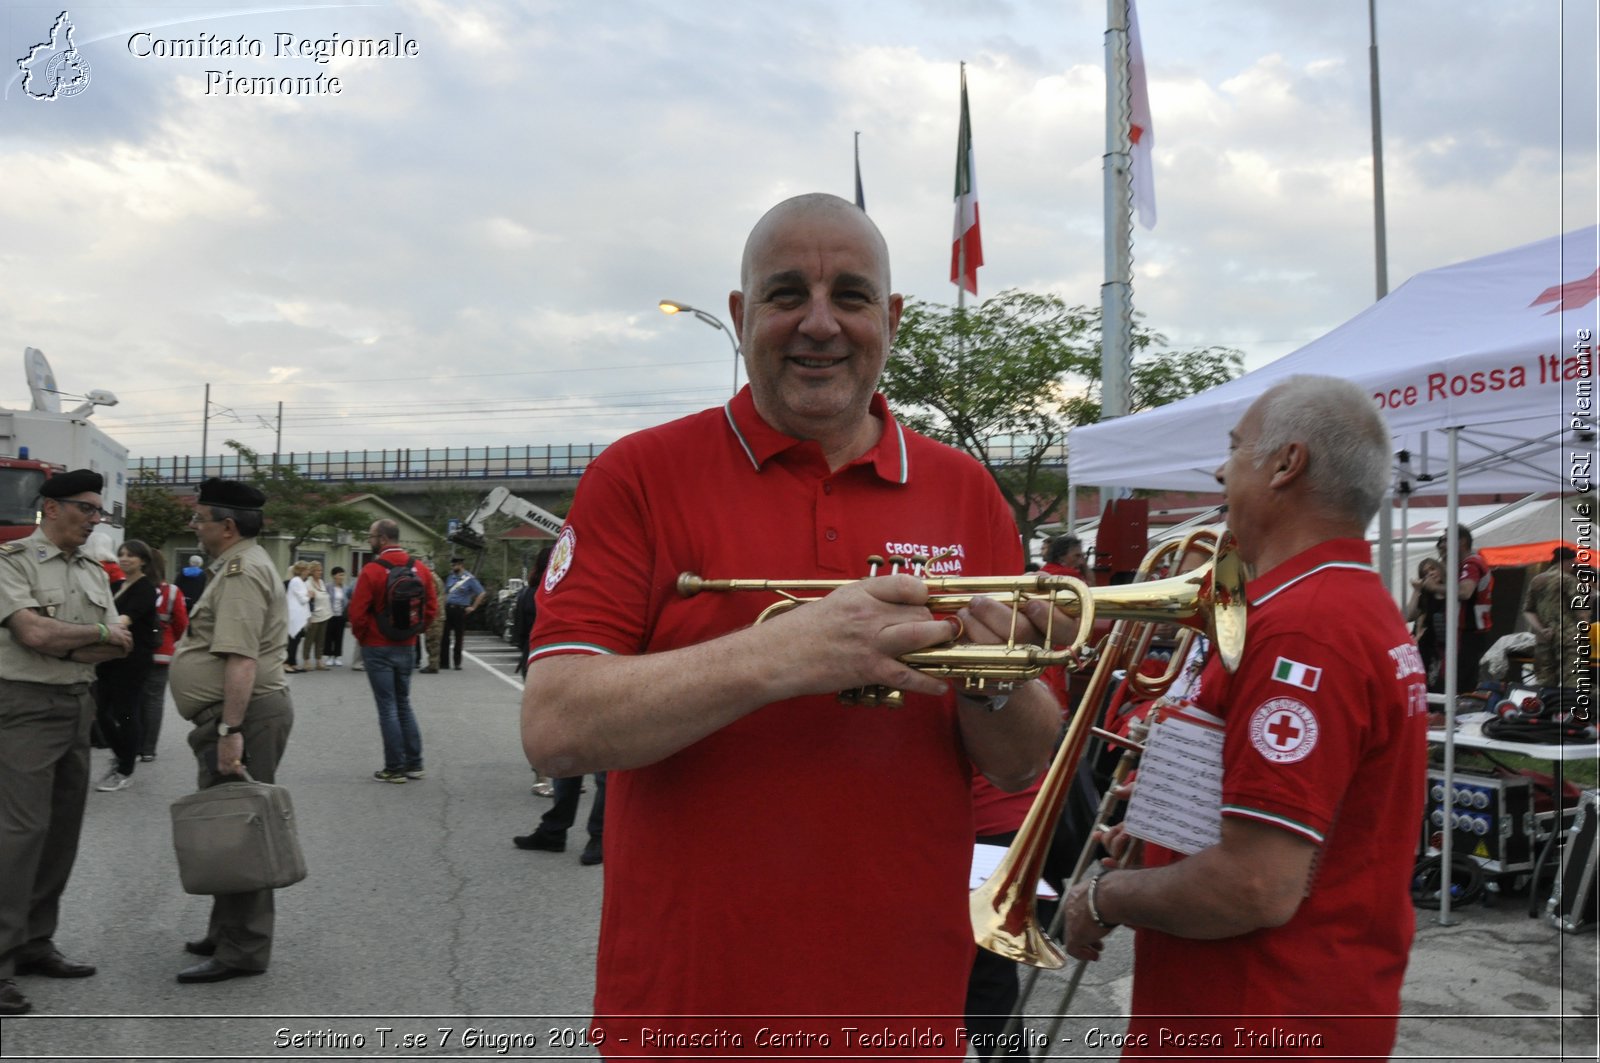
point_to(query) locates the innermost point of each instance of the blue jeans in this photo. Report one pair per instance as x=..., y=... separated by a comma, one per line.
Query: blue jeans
x=389, y=672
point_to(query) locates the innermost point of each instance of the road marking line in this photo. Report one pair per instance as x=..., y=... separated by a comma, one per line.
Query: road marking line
x=481, y=663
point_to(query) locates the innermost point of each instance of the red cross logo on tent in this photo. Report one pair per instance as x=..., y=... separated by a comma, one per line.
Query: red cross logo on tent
x=1283, y=730
x=1573, y=295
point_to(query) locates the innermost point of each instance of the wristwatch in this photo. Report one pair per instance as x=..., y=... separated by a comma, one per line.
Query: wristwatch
x=223, y=730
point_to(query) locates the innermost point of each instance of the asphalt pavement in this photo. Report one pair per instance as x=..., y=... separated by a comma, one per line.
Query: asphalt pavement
x=422, y=932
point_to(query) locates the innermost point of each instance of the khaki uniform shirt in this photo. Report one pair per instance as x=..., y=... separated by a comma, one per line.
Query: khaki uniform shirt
x=35, y=574
x=1550, y=596
x=242, y=612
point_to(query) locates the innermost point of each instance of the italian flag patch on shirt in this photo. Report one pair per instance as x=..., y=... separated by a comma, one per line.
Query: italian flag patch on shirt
x=1296, y=674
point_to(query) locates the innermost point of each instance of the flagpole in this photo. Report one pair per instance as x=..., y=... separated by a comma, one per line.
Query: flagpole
x=1115, y=293
x=961, y=245
x=1380, y=225
x=861, y=195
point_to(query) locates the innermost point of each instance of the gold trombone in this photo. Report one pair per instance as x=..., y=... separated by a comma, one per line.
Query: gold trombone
x=1211, y=600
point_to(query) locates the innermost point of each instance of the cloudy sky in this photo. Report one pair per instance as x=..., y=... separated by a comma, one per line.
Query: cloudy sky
x=466, y=246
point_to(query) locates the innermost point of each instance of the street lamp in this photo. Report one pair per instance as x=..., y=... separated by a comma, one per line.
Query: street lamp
x=668, y=306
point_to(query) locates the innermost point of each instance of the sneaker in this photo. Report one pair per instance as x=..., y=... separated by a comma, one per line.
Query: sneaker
x=389, y=776
x=415, y=773
x=544, y=789
x=338, y=662
x=145, y=758
x=113, y=781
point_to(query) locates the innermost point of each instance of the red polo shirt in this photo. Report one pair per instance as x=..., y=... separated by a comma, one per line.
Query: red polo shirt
x=1326, y=738
x=810, y=859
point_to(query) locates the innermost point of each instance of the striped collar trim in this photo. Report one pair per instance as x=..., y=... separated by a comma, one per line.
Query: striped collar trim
x=761, y=442
x=1346, y=553
x=1280, y=588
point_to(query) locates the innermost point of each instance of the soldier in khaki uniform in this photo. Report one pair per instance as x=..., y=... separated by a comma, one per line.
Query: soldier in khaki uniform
x=56, y=622
x=227, y=680
x=433, y=635
x=1556, y=608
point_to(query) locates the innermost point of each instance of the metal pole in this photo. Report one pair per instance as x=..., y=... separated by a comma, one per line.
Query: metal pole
x=1381, y=243
x=1116, y=306
x=1452, y=653
x=205, y=428
x=277, y=440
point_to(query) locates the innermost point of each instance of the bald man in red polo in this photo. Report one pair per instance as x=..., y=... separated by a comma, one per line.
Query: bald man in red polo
x=770, y=851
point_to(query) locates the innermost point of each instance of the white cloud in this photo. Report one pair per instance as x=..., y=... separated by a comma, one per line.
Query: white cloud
x=495, y=219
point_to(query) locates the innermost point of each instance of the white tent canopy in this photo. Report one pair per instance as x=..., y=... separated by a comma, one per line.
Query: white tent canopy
x=1484, y=371
x=1486, y=346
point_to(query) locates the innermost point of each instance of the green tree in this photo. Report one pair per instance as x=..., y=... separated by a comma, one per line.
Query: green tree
x=1004, y=381
x=154, y=513
x=297, y=506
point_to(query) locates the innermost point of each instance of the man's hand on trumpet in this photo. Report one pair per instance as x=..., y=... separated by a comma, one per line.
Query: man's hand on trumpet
x=853, y=636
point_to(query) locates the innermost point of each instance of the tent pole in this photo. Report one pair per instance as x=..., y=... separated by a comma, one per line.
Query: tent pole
x=1452, y=630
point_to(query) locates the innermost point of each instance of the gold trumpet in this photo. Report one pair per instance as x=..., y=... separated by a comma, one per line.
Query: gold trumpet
x=981, y=668
x=1211, y=600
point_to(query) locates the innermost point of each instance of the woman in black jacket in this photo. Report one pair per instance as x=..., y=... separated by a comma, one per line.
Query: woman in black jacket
x=119, y=684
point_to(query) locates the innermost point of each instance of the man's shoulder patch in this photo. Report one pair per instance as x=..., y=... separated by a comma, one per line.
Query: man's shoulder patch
x=1296, y=674
x=234, y=567
x=1284, y=730
x=11, y=548
x=560, y=558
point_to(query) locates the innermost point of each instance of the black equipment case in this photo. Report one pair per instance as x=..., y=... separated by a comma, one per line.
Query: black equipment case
x=1573, y=905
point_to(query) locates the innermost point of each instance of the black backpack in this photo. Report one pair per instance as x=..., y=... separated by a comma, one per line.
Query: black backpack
x=402, y=613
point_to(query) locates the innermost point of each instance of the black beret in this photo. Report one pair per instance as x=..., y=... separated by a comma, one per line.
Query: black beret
x=458, y=560
x=76, y=482
x=230, y=494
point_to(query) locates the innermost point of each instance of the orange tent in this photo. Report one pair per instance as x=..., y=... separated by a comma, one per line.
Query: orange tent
x=1522, y=553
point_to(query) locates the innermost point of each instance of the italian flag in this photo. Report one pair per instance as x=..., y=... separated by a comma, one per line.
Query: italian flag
x=1141, y=131
x=1296, y=674
x=966, y=252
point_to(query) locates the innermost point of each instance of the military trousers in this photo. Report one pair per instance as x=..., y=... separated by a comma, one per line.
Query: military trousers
x=241, y=924
x=44, y=785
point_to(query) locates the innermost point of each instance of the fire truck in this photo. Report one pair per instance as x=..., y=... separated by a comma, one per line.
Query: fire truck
x=38, y=443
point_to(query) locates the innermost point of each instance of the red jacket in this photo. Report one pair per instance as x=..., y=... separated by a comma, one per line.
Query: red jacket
x=174, y=617
x=368, y=597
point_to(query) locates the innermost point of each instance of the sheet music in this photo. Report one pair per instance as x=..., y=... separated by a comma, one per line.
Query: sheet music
x=986, y=858
x=1177, y=798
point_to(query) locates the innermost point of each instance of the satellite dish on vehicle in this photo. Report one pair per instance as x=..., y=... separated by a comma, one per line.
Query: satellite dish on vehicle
x=41, y=381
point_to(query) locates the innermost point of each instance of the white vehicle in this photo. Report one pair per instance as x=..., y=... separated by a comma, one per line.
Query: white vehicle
x=39, y=442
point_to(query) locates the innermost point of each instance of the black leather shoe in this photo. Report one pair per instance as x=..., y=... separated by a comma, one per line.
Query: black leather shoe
x=203, y=947
x=55, y=965
x=592, y=853
x=12, y=1002
x=545, y=843
x=214, y=971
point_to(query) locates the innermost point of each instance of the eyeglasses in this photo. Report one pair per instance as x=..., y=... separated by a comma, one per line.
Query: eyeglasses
x=88, y=509
x=195, y=518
